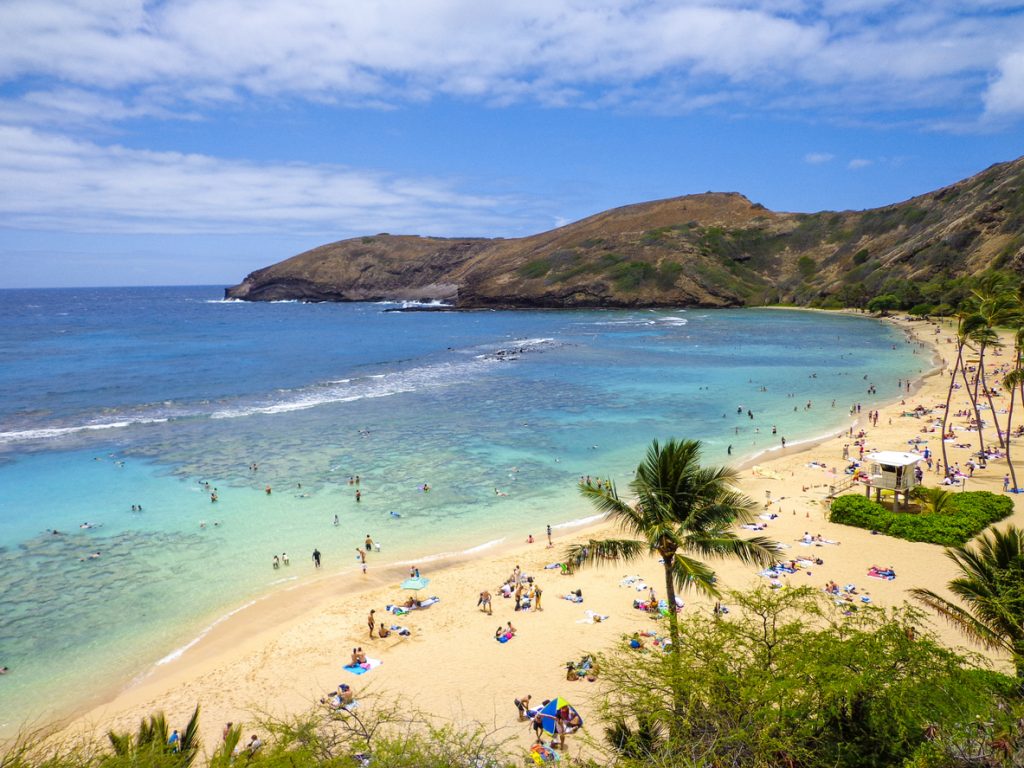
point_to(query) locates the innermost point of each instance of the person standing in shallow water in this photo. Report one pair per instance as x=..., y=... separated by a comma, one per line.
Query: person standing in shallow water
x=316, y=558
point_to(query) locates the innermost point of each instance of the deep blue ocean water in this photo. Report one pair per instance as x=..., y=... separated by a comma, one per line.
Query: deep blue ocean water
x=111, y=398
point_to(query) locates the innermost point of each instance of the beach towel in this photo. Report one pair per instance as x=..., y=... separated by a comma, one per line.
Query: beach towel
x=542, y=754
x=504, y=638
x=362, y=669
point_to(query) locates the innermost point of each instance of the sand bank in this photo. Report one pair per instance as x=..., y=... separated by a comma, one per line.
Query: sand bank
x=284, y=651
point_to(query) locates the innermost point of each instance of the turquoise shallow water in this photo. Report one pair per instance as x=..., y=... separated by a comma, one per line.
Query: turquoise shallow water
x=111, y=398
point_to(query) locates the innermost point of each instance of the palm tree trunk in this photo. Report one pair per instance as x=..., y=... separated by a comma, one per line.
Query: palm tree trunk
x=949, y=399
x=1009, y=426
x=675, y=653
x=991, y=407
x=974, y=405
x=670, y=593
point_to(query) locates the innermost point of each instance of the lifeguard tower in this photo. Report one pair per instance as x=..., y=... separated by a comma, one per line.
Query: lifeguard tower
x=892, y=471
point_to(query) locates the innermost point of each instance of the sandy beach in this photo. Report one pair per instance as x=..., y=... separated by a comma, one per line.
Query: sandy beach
x=283, y=652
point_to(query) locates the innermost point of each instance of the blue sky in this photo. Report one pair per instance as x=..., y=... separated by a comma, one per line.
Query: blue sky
x=192, y=142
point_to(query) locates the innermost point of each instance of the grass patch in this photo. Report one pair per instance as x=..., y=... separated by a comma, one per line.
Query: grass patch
x=535, y=269
x=630, y=275
x=969, y=514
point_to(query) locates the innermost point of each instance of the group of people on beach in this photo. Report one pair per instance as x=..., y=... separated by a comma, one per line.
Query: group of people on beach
x=564, y=721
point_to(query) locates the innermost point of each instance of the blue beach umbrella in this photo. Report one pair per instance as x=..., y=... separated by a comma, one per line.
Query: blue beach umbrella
x=550, y=712
x=417, y=583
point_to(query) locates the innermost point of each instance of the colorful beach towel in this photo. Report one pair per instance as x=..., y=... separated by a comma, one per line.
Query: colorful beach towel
x=362, y=669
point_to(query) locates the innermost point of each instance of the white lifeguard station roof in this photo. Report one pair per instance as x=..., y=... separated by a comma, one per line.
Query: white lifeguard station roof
x=895, y=458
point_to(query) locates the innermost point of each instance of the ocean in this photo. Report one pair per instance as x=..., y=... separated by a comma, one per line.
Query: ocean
x=123, y=409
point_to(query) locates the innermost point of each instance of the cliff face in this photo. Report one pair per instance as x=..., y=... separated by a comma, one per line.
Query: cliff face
x=710, y=250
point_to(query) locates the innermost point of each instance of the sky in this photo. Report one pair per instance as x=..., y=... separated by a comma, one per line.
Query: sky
x=193, y=141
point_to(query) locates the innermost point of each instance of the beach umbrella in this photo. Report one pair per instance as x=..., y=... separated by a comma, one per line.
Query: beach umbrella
x=550, y=712
x=417, y=583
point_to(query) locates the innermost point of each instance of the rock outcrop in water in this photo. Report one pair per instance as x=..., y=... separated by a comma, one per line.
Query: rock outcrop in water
x=709, y=250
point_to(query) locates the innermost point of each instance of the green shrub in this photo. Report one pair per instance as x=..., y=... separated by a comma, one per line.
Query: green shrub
x=860, y=256
x=970, y=513
x=630, y=275
x=534, y=269
x=914, y=215
x=668, y=274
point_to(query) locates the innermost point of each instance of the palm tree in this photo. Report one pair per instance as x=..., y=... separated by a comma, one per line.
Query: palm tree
x=1013, y=381
x=967, y=325
x=994, y=304
x=681, y=509
x=153, y=735
x=933, y=501
x=991, y=588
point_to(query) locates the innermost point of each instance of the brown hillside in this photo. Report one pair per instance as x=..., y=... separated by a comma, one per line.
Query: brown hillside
x=714, y=249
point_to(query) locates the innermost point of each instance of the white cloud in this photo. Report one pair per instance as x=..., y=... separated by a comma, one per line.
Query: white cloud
x=1005, y=96
x=553, y=52
x=55, y=183
x=858, y=163
x=818, y=158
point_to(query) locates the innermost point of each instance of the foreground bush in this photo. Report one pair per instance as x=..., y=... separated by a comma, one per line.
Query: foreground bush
x=964, y=517
x=786, y=680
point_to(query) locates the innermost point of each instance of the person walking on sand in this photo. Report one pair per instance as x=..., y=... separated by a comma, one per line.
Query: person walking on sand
x=550, y=542
x=537, y=592
x=484, y=603
x=370, y=622
x=316, y=558
x=1006, y=483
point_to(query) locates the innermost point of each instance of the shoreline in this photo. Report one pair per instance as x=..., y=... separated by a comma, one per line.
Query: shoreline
x=257, y=625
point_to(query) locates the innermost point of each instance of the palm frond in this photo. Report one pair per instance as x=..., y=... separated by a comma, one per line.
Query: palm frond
x=190, y=738
x=688, y=573
x=603, y=551
x=757, y=549
x=121, y=743
x=958, y=617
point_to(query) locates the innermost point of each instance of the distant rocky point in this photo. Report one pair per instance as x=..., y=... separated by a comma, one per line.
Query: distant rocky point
x=709, y=250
